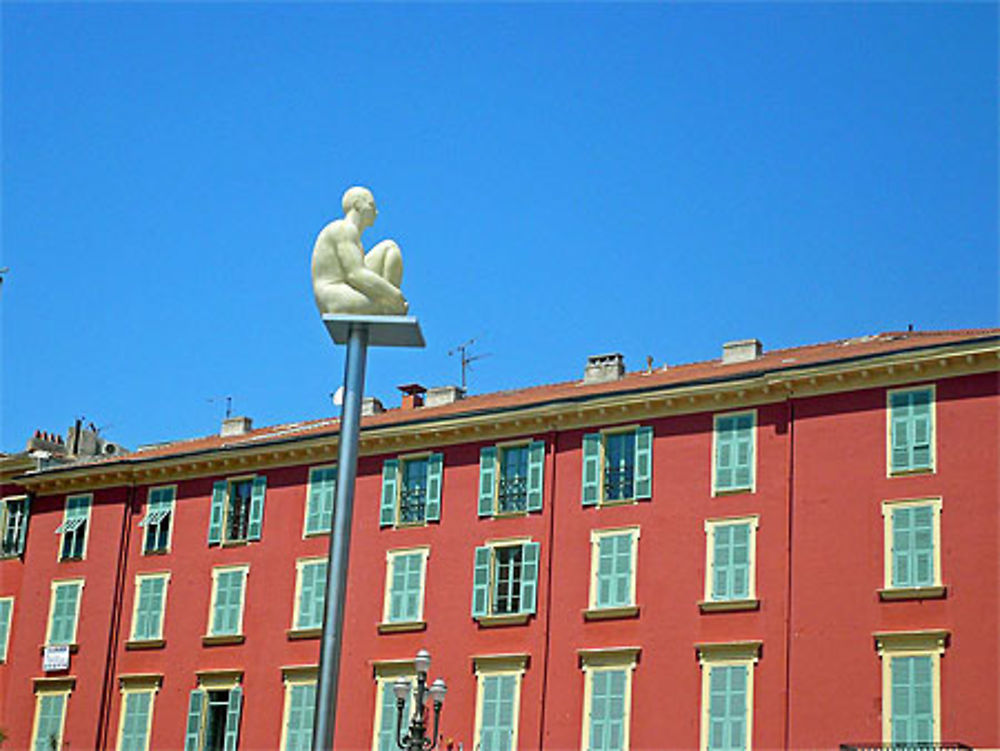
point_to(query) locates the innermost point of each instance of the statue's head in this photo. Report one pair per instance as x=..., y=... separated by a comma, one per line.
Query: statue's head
x=361, y=200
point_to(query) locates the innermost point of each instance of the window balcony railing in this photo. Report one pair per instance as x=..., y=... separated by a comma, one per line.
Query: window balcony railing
x=915, y=746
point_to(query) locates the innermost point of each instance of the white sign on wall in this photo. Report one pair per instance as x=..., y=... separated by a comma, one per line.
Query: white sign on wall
x=55, y=658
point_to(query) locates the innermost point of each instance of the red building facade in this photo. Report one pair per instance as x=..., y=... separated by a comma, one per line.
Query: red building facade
x=795, y=549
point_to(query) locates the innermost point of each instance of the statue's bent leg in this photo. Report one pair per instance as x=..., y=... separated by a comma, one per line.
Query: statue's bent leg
x=339, y=297
x=386, y=260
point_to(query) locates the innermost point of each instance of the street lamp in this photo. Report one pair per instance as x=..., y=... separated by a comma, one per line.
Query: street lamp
x=416, y=738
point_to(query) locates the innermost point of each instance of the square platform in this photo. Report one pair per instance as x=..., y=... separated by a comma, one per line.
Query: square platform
x=383, y=331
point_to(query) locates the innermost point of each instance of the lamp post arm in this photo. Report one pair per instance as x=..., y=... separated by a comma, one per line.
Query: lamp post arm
x=400, y=704
x=437, y=719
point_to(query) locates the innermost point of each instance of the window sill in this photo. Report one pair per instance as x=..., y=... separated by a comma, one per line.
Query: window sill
x=297, y=634
x=155, y=552
x=132, y=644
x=212, y=641
x=618, y=502
x=935, y=592
x=606, y=614
x=722, y=606
x=911, y=472
x=71, y=559
x=316, y=533
x=73, y=648
x=507, y=514
x=495, y=621
x=234, y=543
x=392, y=628
x=731, y=491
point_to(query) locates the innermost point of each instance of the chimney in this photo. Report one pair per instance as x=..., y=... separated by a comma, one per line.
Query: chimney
x=44, y=441
x=603, y=368
x=82, y=440
x=413, y=395
x=236, y=426
x=439, y=395
x=743, y=350
x=370, y=405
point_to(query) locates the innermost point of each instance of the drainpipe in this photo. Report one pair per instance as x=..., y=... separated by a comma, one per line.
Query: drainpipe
x=114, y=632
x=554, y=438
x=789, y=514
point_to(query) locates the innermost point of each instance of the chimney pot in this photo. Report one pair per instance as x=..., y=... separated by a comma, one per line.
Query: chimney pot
x=603, y=368
x=413, y=395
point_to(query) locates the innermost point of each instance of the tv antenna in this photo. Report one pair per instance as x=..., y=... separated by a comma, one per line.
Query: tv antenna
x=229, y=403
x=465, y=358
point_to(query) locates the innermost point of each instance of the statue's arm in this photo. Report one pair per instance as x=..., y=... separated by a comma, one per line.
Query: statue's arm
x=364, y=279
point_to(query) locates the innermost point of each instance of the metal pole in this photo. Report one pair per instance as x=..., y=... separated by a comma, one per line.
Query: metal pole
x=340, y=540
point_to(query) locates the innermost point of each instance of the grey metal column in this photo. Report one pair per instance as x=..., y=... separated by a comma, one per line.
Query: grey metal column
x=340, y=539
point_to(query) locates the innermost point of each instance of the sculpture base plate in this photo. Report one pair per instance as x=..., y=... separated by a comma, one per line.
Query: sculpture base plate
x=383, y=331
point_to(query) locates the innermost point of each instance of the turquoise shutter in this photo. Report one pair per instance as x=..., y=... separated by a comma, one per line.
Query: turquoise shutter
x=389, y=713
x=487, y=479
x=591, y=469
x=390, y=481
x=434, y=472
x=215, y=518
x=22, y=532
x=727, y=708
x=301, y=712
x=643, y=463
x=311, y=595
x=923, y=546
x=536, y=474
x=233, y=719
x=257, y=507
x=196, y=708
x=50, y=720
x=607, y=710
x=725, y=455
x=133, y=737
x=481, y=582
x=411, y=586
x=920, y=422
x=148, y=612
x=64, y=614
x=743, y=474
x=5, y=608
x=314, y=504
x=497, y=726
x=902, y=554
x=623, y=570
x=740, y=568
x=529, y=576
x=899, y=405
x=721, y=560
x=605, y=571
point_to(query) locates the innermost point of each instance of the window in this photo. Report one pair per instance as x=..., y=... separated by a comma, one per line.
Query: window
x=159, y=513
x=310, y=594
x=150, y=601
x=64, y=611
x=510, y=478
x=911, y=685
x=405, y=574
x=319, y=500
x=50, y=713
x=911, y=431
x=733, y=453
x=727, y=695
x=237, y=510
x=6, y=613
x=135, y=722
x=74, y=527
x=226, y=611
x=617, y=466
x=386, y=711
x=912, y=549
x=731, y=580
x=411, y=490
x=300, y=708
x=607, y=697
x=498, y=694
x=214, y=709
x=13, y=525
x=505, y=581
x=612, y=572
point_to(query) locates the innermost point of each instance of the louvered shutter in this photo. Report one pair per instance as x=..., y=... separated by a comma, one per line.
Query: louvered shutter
x=257, y=507
x=215, y=517
x=725, y=453
x=481, y=582
x=22, y=532
x=435, y=464
x=233, y=718
x=920, y=433
x=487, y=479
x=743, y=470
x=196, y=709
x=529, y=576
x=902, y=547
x=740, y=567
x=591, y=485
x=536, y=474
x=390, y=483
x=643, y=463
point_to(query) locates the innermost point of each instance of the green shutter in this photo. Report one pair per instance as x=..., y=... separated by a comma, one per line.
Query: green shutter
x=434, y=473
x=913, y=546
x=22, y=532
x=63, y=629
x=319, y=509
x=215, y=518
x=147, y=614
x=643, y=463
x=902, y=552
x=497, y=712
x=312, y=595
x=389, y=715
x=228, y=601
x=135, y=721
x=233, y=719
x=923, y=546
x=5, y=612
x=257, y=507
x=529, y=576
x=727, y=708
x=912, y=700
x=536, y=474
x=721, y=561
x=301, y=712
x=405, y=587
x=591, y=487
x=50, y=720
x=390, y=482
x=740, y=582
x=743, y=448
x=487, y=479
x=196, y=709
x=921, y=430
x=607, y=710
x=481, y=582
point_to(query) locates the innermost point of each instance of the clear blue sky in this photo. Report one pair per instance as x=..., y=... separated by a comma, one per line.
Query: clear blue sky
x=563, y=180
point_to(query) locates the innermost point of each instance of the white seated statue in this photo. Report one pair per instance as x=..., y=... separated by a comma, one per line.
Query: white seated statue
x=348, y=281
